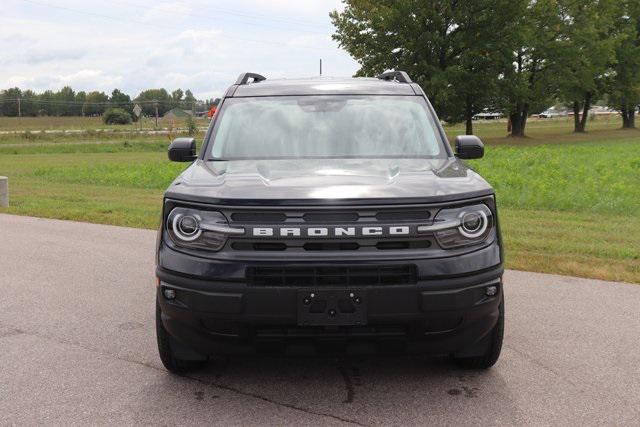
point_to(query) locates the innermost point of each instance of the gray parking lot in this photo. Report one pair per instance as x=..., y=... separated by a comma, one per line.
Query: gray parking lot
x=77, y=346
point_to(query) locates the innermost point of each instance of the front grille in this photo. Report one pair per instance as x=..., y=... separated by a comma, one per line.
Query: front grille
x=356, y=217
x=332, y=276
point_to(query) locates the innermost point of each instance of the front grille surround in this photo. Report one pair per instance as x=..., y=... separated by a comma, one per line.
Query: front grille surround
x=330, y=217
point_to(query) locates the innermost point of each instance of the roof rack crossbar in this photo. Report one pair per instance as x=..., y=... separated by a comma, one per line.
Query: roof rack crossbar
x=399, y=76
x=244, y=78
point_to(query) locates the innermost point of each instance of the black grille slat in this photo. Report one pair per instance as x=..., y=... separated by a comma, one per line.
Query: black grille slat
x=409, y=244
x=412, y=215
x=259, y=217
x=331, y=246
x=332, y=276
x=331, y=217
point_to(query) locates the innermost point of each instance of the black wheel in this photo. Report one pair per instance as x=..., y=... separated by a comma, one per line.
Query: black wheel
x=490, y=357
x=172, y=363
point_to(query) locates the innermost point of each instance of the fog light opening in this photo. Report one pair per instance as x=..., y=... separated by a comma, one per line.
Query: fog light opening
x=491, y=291
x=169, y=294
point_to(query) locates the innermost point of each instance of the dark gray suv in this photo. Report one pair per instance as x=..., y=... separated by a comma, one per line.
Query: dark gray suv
x=328, y=215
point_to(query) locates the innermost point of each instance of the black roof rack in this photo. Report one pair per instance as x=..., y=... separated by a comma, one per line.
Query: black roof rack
x=244, y=78
x=399, y=76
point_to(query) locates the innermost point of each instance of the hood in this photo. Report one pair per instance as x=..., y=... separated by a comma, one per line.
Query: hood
x=328, y=181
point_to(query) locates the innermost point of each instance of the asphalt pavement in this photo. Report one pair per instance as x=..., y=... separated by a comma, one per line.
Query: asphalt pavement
x=77, y=346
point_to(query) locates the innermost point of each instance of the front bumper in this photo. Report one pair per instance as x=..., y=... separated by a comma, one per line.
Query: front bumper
x=436, y=315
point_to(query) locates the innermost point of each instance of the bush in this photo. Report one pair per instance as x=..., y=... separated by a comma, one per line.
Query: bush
x=31, y=136
x=116, y=116
x=192, y=128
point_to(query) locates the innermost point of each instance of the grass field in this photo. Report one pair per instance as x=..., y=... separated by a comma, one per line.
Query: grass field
x=569, y=204
x=87, y=123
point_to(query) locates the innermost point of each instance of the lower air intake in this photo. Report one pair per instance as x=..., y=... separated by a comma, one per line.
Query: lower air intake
x=332, y=276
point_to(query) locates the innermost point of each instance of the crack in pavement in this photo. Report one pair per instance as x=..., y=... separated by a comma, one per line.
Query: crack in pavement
x=16, y=331
x=11, y=332
x=594, y=387
x=267, y=399
x=543, y=366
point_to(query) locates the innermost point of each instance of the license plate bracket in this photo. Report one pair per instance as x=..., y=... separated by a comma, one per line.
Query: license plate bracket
x=332, y=307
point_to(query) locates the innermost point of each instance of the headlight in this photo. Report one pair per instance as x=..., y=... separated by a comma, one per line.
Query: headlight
x=198, y=229
x=458, y=227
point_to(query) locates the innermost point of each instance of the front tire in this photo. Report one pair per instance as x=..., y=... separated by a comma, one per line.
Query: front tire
x=490, y=357
x=167, y=356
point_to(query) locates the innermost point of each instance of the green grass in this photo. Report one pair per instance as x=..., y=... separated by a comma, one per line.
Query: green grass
x=125, y=146
x=568, y=206
x=87, y=123
x=548, y=131
x=594, y=177
x=104, y=136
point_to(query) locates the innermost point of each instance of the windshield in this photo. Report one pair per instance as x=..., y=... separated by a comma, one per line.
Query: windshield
x=287, y=127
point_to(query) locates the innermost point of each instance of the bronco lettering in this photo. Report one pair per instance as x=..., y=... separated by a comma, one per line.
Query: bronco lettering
x=341, y=232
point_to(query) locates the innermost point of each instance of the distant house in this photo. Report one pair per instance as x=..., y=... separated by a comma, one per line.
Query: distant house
x=178, y=113
x=486, y=114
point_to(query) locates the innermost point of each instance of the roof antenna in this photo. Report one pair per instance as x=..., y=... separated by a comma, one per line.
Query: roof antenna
x=321, y=66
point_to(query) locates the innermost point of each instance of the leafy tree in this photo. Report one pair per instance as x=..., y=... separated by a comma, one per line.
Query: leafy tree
x=47, y=103
x=121, y=100
x=81, y=98
x=65, y=102
x=29, y=104
x=590, y=42
x=624, y=85
x=189, y=100
x=9, y=102
x=96, y=103
x=530, y=81
x=455, y=50
x=151, y=98
x=176, y=96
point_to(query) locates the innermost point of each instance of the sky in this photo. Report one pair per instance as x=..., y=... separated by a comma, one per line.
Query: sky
x=141, y=44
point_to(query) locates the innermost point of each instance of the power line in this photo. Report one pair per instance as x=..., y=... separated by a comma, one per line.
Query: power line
x=101, y=103
x=261, y=18
x=166, y=28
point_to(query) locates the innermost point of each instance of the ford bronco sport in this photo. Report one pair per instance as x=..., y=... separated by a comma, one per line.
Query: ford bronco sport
x=328, y=214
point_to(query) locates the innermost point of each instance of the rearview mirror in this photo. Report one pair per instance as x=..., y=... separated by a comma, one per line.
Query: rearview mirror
x=182, y=150
x=469, y=147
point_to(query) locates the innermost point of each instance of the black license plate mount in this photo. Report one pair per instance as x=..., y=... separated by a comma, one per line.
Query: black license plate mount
x=332, y=307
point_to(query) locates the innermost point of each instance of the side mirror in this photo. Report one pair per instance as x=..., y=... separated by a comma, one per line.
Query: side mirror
x=182, y=150
x=469, y=147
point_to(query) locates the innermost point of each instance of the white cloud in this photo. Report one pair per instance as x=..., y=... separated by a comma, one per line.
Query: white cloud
x=88, y=79
x=192, y=44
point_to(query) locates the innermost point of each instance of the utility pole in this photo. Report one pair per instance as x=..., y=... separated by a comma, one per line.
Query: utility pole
x=155, y=103
x=19, y=107
x=320, y=66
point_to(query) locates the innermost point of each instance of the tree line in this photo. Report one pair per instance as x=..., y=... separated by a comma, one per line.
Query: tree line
x=511, y=56
x=67, y=102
